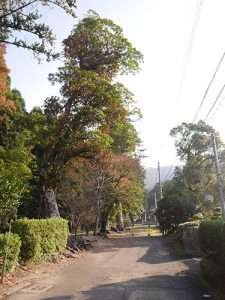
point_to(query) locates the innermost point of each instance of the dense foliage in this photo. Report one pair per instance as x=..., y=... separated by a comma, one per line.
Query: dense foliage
x=194, y=188
x=9, y=245
x=181, y=228
x=21, y=26
x=212, y=244
x=41, y=238
x=76, y=156
x=210, y=239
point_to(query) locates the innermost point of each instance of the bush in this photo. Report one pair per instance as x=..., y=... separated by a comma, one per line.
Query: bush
x=210, y=239
x=13, y=250
x=182, y=227
x=211, y=270
x=223, y=246
x=41, y=238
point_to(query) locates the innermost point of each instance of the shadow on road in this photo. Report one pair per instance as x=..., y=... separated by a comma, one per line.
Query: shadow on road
x=165, y=287
x=181, y=285
x=160, y=251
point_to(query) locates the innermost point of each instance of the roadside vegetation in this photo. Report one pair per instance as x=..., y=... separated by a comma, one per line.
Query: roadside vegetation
x=189, y=210
x=72, y=164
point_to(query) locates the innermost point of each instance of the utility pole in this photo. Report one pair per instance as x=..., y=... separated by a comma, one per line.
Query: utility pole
x=155, y=205
x=155, y=200
x=219, y=178
x=160, y=184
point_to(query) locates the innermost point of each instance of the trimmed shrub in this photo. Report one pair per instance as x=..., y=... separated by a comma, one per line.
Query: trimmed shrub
x=211, y=270
x=183, y=226
x=41, y=238
x=13, y=250
x=210, y=239
x=223, y=245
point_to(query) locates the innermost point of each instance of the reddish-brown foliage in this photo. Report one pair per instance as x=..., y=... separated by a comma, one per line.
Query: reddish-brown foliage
x=4, y=72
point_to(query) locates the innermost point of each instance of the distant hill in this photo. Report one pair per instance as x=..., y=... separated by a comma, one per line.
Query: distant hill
x=151, y=175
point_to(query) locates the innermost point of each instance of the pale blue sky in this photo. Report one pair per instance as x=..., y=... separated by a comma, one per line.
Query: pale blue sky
x=161, y=30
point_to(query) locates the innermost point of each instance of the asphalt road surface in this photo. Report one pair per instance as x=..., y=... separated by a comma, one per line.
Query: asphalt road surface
x=121, y=268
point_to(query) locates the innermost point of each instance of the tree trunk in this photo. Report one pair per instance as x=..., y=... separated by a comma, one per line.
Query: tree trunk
x=97, y=214
x=87, y=228
x=104, y=221
x=96, y=225
x=132, y=219
x=52, y=210
x=119, y=219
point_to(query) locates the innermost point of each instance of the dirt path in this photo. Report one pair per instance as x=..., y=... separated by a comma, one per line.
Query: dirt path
x=128, y=268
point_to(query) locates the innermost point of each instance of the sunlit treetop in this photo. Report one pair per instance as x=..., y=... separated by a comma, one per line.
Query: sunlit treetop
x=99, y=45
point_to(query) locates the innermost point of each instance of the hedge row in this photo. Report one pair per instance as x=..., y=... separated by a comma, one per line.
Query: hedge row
x=210, y=239
x=10, y=245
x=183, y=226
x=41, y=238
x=33, y=240
x=212, y=244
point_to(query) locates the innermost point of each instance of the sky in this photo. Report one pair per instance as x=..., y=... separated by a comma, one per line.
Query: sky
x=182, y=47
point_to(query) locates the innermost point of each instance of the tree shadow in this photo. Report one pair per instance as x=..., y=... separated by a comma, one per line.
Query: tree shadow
x=164, y=287
x=160, y=251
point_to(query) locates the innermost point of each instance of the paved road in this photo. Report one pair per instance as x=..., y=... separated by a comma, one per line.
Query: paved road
x=123, y=268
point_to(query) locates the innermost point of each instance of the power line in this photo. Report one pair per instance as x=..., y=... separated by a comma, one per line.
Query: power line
x=210, y=83
x=164, y=180
x=214, y=103
x=190, y=44
x=168, y=173
x=218, y=107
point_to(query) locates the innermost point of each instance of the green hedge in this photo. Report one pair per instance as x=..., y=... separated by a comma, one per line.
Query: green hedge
x=41, y=238
x=13, y=250
x=210, y=239
x=182, y=227
x=223, y=245
x=211, y=270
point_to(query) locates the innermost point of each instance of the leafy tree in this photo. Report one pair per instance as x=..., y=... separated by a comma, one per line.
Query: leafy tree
x=80, y=121
x=19, y=19
x=15, y=154
x=193, y=142
x=98, y=45
x=100, y=183
x=5, y=103
x=177, y=205
x=194, y=184
x=130, y=194
x=14, y=177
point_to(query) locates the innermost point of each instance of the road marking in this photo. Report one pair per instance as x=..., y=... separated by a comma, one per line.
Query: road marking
x=36, y=288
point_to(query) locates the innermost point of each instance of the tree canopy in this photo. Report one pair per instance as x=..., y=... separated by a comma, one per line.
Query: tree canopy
x=97, y=44
x=21, y=26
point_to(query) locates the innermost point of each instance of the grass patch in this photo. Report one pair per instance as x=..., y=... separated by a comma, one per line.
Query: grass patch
x=145, y=230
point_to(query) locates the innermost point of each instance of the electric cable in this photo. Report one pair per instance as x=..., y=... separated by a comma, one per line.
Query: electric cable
x=218, y=107
x=214, y=103
x=168, y=173
x=210, y=83
x=164, y=180
x=190, y=44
